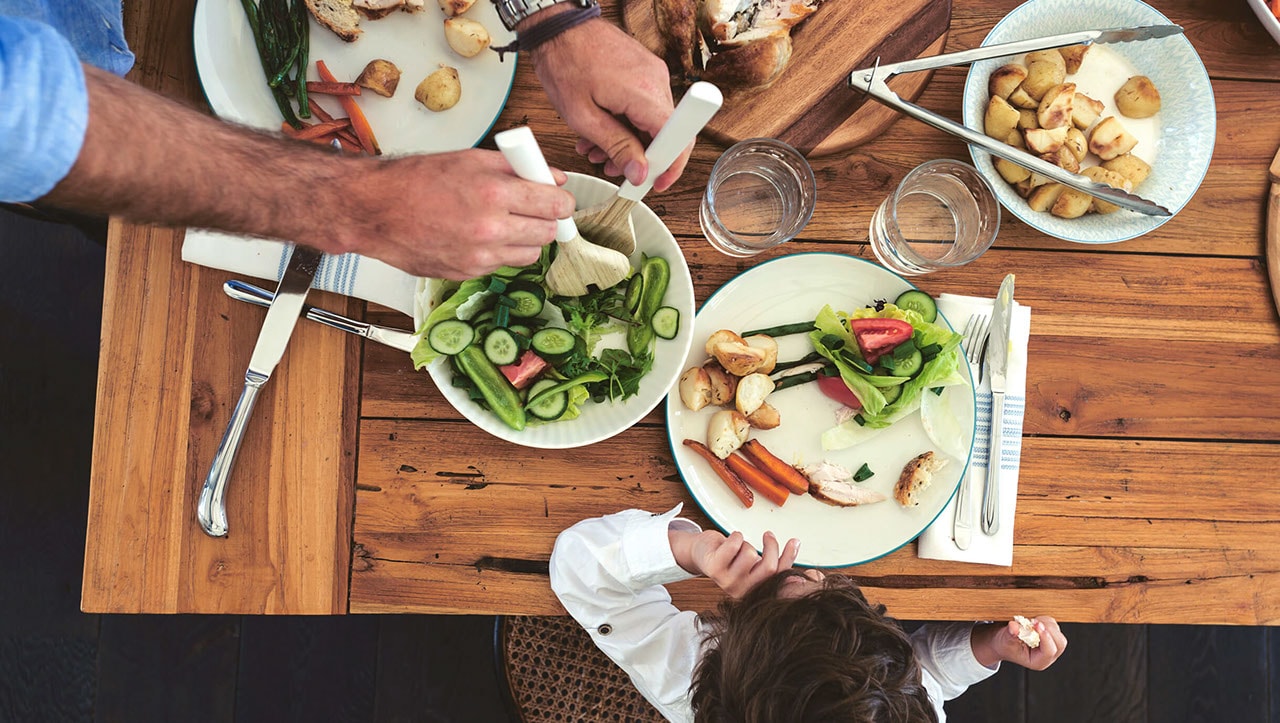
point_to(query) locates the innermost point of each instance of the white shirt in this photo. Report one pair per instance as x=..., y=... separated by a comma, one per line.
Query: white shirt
x=609, y=574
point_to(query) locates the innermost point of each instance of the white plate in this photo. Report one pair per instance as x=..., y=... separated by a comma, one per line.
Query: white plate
x=1187, y=116
x=598, y=421
x=1266, y=17
x=786, y=290
x=236, y=85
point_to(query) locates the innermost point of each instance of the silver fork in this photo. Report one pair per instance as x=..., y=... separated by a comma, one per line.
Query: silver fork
x=975, y=339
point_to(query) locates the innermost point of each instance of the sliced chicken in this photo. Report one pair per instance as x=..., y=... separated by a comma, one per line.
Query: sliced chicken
x=833, y=484
x=738, y=22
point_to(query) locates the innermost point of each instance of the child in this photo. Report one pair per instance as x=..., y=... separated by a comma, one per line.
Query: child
x=789, y=645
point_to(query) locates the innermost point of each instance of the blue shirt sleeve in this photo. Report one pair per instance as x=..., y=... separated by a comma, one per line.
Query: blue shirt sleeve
x=44, y=110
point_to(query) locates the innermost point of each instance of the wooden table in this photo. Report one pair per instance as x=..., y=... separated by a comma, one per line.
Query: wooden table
x=1150, y=458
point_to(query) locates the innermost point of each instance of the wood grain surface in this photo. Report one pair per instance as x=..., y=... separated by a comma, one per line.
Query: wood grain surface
x=811, y=105
x=1151, y=442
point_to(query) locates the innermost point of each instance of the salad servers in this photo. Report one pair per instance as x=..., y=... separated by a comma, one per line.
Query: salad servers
x=874, y=82
x=277, y=328
x=997, y=362
x=609, y=224
x=395, y=338
x=578, y=263
x=975, y=340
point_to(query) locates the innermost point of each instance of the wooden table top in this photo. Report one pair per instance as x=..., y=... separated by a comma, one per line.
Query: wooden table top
x=1151, y=445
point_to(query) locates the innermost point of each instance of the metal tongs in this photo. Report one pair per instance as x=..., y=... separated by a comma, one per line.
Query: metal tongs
x=874, y=82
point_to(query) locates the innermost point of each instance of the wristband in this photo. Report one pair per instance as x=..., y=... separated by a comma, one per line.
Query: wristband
x=548, y=29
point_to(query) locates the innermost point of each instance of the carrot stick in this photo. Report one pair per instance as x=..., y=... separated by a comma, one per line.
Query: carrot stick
x=780, y=471
x=350, y=146
x=358, y=122
x=332, y=88
x=320, y=113
x=735, y=483
x=757, y=479
x=322, y=129
x=346, y=134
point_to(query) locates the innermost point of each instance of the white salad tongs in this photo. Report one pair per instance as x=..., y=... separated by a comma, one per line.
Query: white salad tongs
x=874, y=82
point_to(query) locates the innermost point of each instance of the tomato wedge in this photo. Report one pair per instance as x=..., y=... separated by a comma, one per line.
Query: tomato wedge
x=877, y=337
x=834, y=387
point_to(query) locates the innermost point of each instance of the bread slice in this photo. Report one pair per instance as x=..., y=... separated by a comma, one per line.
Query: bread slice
x=916, y=477
x=338, y=16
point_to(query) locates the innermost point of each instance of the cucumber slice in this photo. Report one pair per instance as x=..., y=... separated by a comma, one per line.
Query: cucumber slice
x=501, y=347
x=521, y=330
x=907, y=366
x=666, y=322
x=891, y=394
x=526, y=303
x=550, y=407
x=635, y=292
x=552, y=343
x=450, y=336
x=919, y=302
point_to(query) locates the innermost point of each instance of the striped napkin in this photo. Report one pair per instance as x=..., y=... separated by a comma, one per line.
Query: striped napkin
x=936, y=541
x=348, y=274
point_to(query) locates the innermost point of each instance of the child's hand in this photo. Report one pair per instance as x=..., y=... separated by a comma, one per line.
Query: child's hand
x=997, y=642
x=730, y=562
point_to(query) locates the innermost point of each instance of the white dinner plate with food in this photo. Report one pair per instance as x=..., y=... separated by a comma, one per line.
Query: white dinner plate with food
x=793, y=289
x=599, y=420
x=236, y=86
x=1267, y=18
x=1177, y=142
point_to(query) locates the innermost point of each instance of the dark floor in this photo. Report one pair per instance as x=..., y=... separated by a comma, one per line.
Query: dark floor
x=57, y=664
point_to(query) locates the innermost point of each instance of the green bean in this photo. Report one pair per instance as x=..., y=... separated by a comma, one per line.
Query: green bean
x=809, y=358
x=784, y=330
x=303, y=25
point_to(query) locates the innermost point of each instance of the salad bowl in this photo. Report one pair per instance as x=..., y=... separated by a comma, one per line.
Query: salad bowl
x=1183, y=130
x=767, y=296
x=598, y=421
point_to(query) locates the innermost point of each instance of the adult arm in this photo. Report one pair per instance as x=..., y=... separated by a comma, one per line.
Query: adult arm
x=609, y=573
x=152, y=160
x=611, y=91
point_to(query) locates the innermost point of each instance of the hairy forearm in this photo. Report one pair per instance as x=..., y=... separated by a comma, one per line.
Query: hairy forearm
x=152, y=160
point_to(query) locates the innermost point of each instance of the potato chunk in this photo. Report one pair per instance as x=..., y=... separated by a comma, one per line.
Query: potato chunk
x=1071, y=204
x=380, y=76
x=1001, y=119
x=1041, y=141
x=1138, y=98
x=1006, y=79
x=1055, y=106
x=466, y=36
x=1110, y=178
x=1085, y=110
x=695, y=388
x=441, y=90
x=1130, y=166
x=453, y=8
x=1045, y=69
x=1073, y=56
x=1020, y=99
x=1078, y=144
x=1109, y=139
x=1043, y=196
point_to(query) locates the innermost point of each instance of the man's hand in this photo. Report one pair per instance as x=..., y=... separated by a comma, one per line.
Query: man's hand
x=732, y=564
x=607, y=87
x=999, y=641
x=452, y=215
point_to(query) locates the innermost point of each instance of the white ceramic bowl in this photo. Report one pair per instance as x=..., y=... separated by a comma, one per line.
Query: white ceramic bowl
x=598, y=421
x=1266, y=17
x=1187, y=116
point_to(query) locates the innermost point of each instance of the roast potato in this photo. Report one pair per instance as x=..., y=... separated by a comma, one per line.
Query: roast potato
x=1138, y=98
x=723, y=384
x=1044, y=140
x=737, y=358
x=1020, y=99
x=1045, y=69
x=1008, y=170
x=380, y=76
x=726, y=432
x=1109, y=139
x=1027, y=119
x=1055, y=106
x=752, y=389
x=1042, y=197
x=766, y=416
x=1072, y=57
x=441, y=90
x=1110, y=178
x=718, y=337
x=453, y=8
x=1006, y=79
x=1063, y=158
x=1078, y=144
x=767, y=345
x=695, y=388
x=1071, y=204
x=1085, y=110
x=467, y=37
x=1130, y=166
x=1001, y=119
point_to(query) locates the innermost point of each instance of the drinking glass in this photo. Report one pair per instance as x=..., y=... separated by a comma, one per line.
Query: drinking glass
x=943, y=215
x=761, y=194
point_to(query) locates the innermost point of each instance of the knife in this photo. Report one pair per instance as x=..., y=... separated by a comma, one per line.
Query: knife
x=211, y=509
x=395, y=338
x=998, y=368
x=1273, y=231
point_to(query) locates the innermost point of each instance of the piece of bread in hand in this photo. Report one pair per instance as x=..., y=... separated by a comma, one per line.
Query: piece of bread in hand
x=338, y=16
x=1027, y=632
x=916, y=476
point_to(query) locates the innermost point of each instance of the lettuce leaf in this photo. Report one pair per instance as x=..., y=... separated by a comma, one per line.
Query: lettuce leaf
x=423, y=354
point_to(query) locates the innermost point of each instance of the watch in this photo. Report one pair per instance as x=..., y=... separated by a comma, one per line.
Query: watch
x=511, y=12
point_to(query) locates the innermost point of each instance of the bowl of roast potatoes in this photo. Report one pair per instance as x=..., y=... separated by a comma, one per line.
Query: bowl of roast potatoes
x=1138, y=116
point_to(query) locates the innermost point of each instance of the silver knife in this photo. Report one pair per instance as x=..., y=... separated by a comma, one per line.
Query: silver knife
x=395, y=338
x=998, y=367
x=290, y=296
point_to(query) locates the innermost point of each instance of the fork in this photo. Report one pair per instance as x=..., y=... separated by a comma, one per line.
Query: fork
x=975, y=340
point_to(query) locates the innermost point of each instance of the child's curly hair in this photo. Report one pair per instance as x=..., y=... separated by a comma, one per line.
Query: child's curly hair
x=827, y=656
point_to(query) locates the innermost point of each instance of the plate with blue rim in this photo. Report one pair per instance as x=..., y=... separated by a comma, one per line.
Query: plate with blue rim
x=236, y=86
x=1187, y=118
x=793, y=289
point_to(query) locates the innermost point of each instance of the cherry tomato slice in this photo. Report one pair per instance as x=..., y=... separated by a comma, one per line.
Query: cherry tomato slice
x=877, y=337
x=834, y=387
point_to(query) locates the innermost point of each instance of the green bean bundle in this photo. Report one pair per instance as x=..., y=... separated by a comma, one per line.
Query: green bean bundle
x=281, y=32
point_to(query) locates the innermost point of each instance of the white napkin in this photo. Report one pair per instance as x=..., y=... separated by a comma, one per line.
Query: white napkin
x=936, y=542
x=348, y=274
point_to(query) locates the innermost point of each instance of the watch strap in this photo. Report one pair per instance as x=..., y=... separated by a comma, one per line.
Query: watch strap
x=512, y=12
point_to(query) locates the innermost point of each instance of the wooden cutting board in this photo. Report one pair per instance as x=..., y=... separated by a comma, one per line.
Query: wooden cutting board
x=811, y=106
